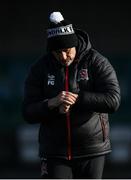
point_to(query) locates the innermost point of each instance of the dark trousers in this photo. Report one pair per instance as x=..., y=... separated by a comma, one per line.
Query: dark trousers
x=80, y=168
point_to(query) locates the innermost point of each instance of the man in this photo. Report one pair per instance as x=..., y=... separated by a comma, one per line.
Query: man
x=70, y=92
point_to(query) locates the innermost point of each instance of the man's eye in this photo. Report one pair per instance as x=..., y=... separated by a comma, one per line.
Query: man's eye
x=63, y=50
x=68, y=51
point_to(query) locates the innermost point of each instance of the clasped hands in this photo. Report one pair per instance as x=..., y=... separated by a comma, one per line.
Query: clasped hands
x=64, y=100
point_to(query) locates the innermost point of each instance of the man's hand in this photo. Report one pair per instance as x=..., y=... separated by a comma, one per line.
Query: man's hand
x=56, y=101
x=63, y=98
x=69, y=100
x=63, y=108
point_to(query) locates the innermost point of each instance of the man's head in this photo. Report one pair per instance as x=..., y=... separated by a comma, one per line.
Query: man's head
x=65, y=56
x=61, y=38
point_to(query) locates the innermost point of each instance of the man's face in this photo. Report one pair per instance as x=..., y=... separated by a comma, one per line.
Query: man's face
x=65, y=56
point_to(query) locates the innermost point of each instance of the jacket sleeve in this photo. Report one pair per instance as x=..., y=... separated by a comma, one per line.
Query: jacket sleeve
x=105, y=96
x=35, y=105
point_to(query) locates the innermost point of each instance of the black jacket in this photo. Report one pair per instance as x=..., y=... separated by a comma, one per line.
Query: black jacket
x=91, y=76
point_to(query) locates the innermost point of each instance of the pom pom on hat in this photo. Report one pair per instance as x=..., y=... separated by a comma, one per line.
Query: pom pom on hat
x=60, y=34
x=56, y=17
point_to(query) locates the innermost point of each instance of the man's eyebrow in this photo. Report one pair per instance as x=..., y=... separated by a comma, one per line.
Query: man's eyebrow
x=60, y=50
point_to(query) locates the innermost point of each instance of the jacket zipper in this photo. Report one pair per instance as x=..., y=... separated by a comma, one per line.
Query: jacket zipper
x=103, y=127
x=69, y=155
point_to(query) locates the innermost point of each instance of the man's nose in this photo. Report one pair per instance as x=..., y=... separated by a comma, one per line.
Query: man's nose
x=64, y=55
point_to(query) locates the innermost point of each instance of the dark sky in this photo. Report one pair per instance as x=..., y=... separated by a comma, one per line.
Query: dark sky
x=23, y=24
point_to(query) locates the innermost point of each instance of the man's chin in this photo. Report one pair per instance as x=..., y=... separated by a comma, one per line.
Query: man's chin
x=67, y=63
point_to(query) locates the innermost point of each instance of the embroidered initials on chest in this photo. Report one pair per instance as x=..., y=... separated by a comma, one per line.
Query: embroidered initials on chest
x=51, y=80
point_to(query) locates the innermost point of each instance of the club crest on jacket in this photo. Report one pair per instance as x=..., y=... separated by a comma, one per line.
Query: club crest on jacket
x=83, y=75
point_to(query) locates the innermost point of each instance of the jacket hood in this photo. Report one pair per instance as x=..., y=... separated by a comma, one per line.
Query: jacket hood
x=84, y=44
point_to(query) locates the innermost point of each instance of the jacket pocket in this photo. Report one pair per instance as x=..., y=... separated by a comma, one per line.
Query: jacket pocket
x=103, y=122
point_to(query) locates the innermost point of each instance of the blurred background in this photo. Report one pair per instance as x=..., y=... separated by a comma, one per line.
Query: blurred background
x=22, y=40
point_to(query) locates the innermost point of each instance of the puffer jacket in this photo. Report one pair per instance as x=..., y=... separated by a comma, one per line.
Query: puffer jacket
x=84, y=131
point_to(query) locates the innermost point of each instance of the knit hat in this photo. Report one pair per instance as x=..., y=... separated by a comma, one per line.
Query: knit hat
x=60, y=34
